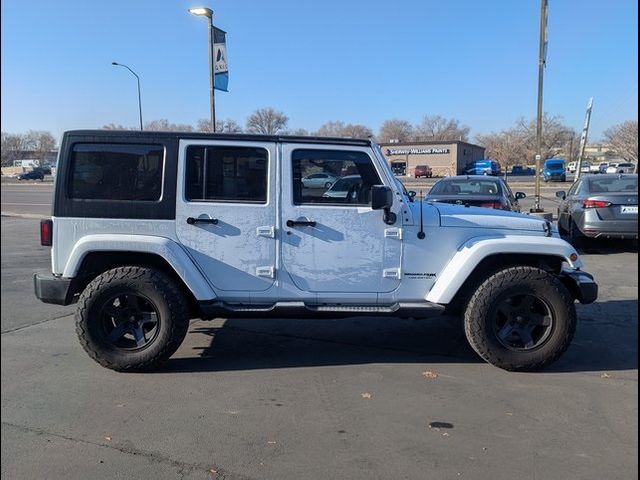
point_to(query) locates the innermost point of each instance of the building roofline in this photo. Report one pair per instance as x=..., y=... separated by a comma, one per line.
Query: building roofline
x=430, y=142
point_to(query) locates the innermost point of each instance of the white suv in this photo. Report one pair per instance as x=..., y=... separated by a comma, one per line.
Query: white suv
x=621, y=168
x=151, y=229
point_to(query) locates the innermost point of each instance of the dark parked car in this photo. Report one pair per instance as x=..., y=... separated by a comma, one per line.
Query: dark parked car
x=422, y=171
x=483, y=167
x=522, y=170
x=476, y=191
x=32, y=175
x=554, y=171
x=600, y=206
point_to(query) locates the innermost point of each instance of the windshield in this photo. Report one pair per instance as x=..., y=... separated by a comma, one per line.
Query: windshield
x=466, y=187
x=402, y=188
x=606, y=185
x=555, y=165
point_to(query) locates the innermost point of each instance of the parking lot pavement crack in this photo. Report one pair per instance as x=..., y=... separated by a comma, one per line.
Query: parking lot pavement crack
x=183, y=468
x=34, y=324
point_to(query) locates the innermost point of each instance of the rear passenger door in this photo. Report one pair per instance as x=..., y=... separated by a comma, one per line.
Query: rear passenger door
x=225, y=212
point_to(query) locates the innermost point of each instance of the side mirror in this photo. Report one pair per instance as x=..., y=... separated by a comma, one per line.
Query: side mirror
x=382, y=199
x=561, y=194
x=412, y=194
x=520, y=195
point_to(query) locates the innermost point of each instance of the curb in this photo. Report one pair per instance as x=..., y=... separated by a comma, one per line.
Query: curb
x=22, y=215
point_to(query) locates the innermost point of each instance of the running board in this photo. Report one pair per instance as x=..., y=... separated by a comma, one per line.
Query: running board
x=301, y=309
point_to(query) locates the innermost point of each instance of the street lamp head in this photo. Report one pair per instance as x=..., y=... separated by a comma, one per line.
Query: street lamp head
x=115, y=63
x=201, y=11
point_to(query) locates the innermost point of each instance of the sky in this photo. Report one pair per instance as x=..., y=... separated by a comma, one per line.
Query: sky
x=355, y=61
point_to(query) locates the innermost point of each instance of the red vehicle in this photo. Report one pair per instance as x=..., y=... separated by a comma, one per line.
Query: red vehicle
x=422, y=171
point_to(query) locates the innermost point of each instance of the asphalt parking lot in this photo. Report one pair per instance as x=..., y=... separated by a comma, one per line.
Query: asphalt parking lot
x=357, y=398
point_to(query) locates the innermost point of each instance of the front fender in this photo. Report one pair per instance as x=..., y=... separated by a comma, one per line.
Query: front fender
x=162, y=246
x=471, y=253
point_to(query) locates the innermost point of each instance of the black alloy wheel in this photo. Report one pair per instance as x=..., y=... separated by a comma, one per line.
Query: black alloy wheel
x=523, y=322
x=129, y=321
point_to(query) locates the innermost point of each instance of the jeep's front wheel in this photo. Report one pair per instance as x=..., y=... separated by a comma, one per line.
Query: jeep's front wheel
x=131, y=318
x=520, y=319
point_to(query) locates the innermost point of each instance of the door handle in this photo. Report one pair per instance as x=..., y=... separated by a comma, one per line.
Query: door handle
x=300, y=223
x=193, y=221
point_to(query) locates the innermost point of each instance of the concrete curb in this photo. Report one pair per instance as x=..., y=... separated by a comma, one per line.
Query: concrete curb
x=22, y=215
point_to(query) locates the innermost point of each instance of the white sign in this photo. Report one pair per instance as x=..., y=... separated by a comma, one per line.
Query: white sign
x=220, y=55
x=417, y=151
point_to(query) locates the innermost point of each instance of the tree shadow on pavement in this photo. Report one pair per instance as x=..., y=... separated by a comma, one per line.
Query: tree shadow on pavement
x=606, y=340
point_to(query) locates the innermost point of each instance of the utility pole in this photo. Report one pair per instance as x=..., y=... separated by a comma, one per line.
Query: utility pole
x=542, y=55
x=583, y=140
x=207, y=12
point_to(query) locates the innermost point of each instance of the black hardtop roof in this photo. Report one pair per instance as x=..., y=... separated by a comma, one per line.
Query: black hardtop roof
x=245, y=137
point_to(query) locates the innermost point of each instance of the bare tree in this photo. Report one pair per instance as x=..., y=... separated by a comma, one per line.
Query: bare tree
x=40, y=143
x=117, y=126
x=345, y=130
x=395, y=130
x=440, y=129
x=222, y=126
x=623, y=139
x=267, y=121
x=163, y=125
x=507, y=147
x=13, y=144
x=556, y=136
x=517, y=145
x=299, y=132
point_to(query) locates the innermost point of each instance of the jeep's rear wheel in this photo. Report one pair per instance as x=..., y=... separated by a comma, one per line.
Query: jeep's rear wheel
x=131, y=318
x=521, y=318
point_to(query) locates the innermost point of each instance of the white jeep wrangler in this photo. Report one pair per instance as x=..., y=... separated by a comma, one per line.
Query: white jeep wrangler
x=151, y=229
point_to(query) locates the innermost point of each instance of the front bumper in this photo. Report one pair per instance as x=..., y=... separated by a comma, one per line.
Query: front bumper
x=581, y=285
x=51, y=289
x=554, y=178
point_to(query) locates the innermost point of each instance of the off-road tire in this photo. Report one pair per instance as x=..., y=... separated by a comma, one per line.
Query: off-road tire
x=478, y=318
x=160, y=290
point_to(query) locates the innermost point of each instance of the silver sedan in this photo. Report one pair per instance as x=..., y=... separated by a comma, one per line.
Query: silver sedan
x=600, y=206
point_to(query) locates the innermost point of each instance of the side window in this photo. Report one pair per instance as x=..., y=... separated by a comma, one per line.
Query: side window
x=508, y=190
x=101, y=171
x=347, y=177
x=226, y=174
x=575, y=188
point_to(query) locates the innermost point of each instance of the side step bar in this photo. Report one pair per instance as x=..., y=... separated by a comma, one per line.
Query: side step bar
x=301, y=309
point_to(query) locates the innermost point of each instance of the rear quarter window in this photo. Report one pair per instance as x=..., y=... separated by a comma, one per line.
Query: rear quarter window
x=111, y=171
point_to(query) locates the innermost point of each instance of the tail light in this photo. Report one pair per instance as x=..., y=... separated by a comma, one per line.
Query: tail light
x=46, y=233
x=590, y=203
x=496, y=205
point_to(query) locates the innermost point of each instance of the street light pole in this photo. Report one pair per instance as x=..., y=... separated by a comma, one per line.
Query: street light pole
x=541, y=64
x=207, y=12
x=139, y=96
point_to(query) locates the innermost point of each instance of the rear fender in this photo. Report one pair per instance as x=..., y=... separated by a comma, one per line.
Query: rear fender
x=166, y=248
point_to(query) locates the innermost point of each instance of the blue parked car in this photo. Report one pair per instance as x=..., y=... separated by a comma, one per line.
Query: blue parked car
x=554, y=171
x=483, y=167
